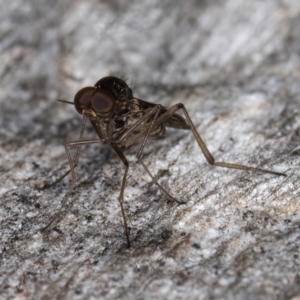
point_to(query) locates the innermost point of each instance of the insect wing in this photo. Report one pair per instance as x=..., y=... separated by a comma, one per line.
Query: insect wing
x=174, y=121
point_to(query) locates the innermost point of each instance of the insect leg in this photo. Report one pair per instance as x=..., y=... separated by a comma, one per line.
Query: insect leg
x=145, y=117
x=76, y=157
x=64, y=201
x=159, y=186
x=121, y=196
x=155, y=110
x=139, y=154
x=210, y=159
x=57, y=214
x=80, y=138
x=78, y=145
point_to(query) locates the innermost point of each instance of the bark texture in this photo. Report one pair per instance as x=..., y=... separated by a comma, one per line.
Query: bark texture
x=236, y=67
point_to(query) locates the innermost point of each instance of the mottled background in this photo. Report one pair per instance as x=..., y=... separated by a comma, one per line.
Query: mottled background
x=236, y=66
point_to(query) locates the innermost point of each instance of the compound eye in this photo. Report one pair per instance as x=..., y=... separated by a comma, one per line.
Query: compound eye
x=83, y=98
x=102, y=103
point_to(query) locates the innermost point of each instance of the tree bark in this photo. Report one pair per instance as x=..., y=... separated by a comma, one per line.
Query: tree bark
x=235, y=66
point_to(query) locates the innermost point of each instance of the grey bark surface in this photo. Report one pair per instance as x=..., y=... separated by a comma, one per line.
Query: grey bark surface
x=236, y=67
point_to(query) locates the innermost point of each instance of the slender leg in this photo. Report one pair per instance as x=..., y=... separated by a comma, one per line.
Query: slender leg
x=124, y=160
x=159, y=107
x=210, y=159
x=77, y=144
x=121, y=196
x=78, y=147
x=64, y=201
x=80, y=138
x=156, y=182
x=57, y=214
x=76, y=157
x=153, y=111
x=139, y=154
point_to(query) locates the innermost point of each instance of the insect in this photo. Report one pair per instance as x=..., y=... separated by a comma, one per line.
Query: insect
x=121, y=120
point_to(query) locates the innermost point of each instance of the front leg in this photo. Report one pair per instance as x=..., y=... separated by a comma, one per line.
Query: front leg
x=72, y=167
x=121, y=196
x=72, y=163
x=78, y=145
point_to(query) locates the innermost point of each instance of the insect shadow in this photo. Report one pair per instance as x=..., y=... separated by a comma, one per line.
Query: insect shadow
x=121, y=120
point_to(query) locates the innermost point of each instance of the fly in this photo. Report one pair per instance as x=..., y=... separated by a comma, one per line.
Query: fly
x=121, y=120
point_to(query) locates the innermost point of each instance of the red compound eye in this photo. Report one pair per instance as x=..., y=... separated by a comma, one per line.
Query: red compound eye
x=102, y=103
x=83, y=98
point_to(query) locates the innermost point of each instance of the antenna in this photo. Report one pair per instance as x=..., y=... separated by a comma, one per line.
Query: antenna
x=64, y=101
